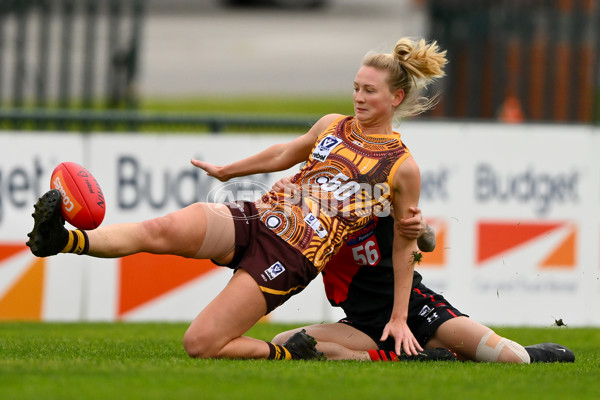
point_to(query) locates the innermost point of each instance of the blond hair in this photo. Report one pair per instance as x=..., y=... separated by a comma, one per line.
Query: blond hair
x=412, y=67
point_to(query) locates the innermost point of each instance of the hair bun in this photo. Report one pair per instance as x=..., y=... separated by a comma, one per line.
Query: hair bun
x=422, y=61
x=402, y=51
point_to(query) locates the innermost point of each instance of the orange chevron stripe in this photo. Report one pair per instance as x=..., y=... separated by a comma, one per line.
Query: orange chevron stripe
x=144, y=277
x=564, y=255
x=23, y=300
x=495, y=238
x=9, y=250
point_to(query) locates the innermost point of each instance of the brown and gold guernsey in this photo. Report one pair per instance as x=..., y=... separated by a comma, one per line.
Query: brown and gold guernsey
x=346, y=181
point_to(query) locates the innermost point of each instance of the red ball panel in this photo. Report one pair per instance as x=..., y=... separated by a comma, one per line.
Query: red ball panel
x=83, y=203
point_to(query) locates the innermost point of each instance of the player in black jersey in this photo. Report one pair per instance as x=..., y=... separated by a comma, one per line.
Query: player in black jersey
x=359, y=279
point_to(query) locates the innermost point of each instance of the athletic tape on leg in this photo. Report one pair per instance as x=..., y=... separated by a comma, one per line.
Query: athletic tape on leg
x=486, y=353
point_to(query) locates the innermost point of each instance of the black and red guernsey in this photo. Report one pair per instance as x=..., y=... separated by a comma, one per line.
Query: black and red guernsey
x=360, y=277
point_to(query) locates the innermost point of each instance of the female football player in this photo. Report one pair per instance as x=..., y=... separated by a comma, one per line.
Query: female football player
x=356, y=167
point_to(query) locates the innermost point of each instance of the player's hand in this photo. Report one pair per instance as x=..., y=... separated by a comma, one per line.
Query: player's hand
x=412, y=227
x=211, y=169
x=285, y=185
x=405, y=340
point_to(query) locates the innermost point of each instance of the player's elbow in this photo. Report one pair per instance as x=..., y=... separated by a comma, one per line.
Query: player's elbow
x=426, y=243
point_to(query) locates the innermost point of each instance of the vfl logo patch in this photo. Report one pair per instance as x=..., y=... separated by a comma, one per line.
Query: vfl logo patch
x=325, y=147
x=274, y=270
x=424, y=311
x=429, y=313
x=315, y=224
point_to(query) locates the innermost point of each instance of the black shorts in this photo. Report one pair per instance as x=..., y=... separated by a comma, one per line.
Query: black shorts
x=280, y=270
x=427, y=310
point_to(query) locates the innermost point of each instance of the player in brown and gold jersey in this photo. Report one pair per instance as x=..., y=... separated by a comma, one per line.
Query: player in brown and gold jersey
x=357, y=168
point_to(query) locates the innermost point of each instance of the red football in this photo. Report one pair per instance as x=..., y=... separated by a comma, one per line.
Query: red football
x=82, y=199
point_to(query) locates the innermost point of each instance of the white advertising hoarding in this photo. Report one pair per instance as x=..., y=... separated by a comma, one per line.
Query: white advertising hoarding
x=515, y=207
x=521, y=205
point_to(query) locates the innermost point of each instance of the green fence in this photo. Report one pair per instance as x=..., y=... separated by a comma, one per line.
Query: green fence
x=510, y=60
x=66, y=53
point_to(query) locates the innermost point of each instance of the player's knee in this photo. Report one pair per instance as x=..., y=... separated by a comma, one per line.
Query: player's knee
x=281, y=338
x=158, y=228
x=199, y=344
x=159, y=234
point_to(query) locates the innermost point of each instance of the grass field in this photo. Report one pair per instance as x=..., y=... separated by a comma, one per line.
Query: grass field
x=147, y=361
x=309, y=105
x=175, y=114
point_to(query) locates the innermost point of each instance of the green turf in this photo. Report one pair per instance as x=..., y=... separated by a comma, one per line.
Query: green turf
x=147, y=361
x=175, y=115
x=259, y=104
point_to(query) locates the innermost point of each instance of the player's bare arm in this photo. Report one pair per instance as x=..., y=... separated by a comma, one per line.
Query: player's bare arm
x=407, y=183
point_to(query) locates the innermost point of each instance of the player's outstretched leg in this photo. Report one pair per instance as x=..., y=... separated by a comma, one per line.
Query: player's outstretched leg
x=302, y=347
x=549, y=352
x=49, y=236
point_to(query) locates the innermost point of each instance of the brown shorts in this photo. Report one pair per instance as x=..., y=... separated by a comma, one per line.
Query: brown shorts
x=280, y=270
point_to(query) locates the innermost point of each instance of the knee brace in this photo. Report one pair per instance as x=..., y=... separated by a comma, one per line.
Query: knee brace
x=487, y=353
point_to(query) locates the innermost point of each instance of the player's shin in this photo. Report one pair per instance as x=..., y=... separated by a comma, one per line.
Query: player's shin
x=494, y=348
